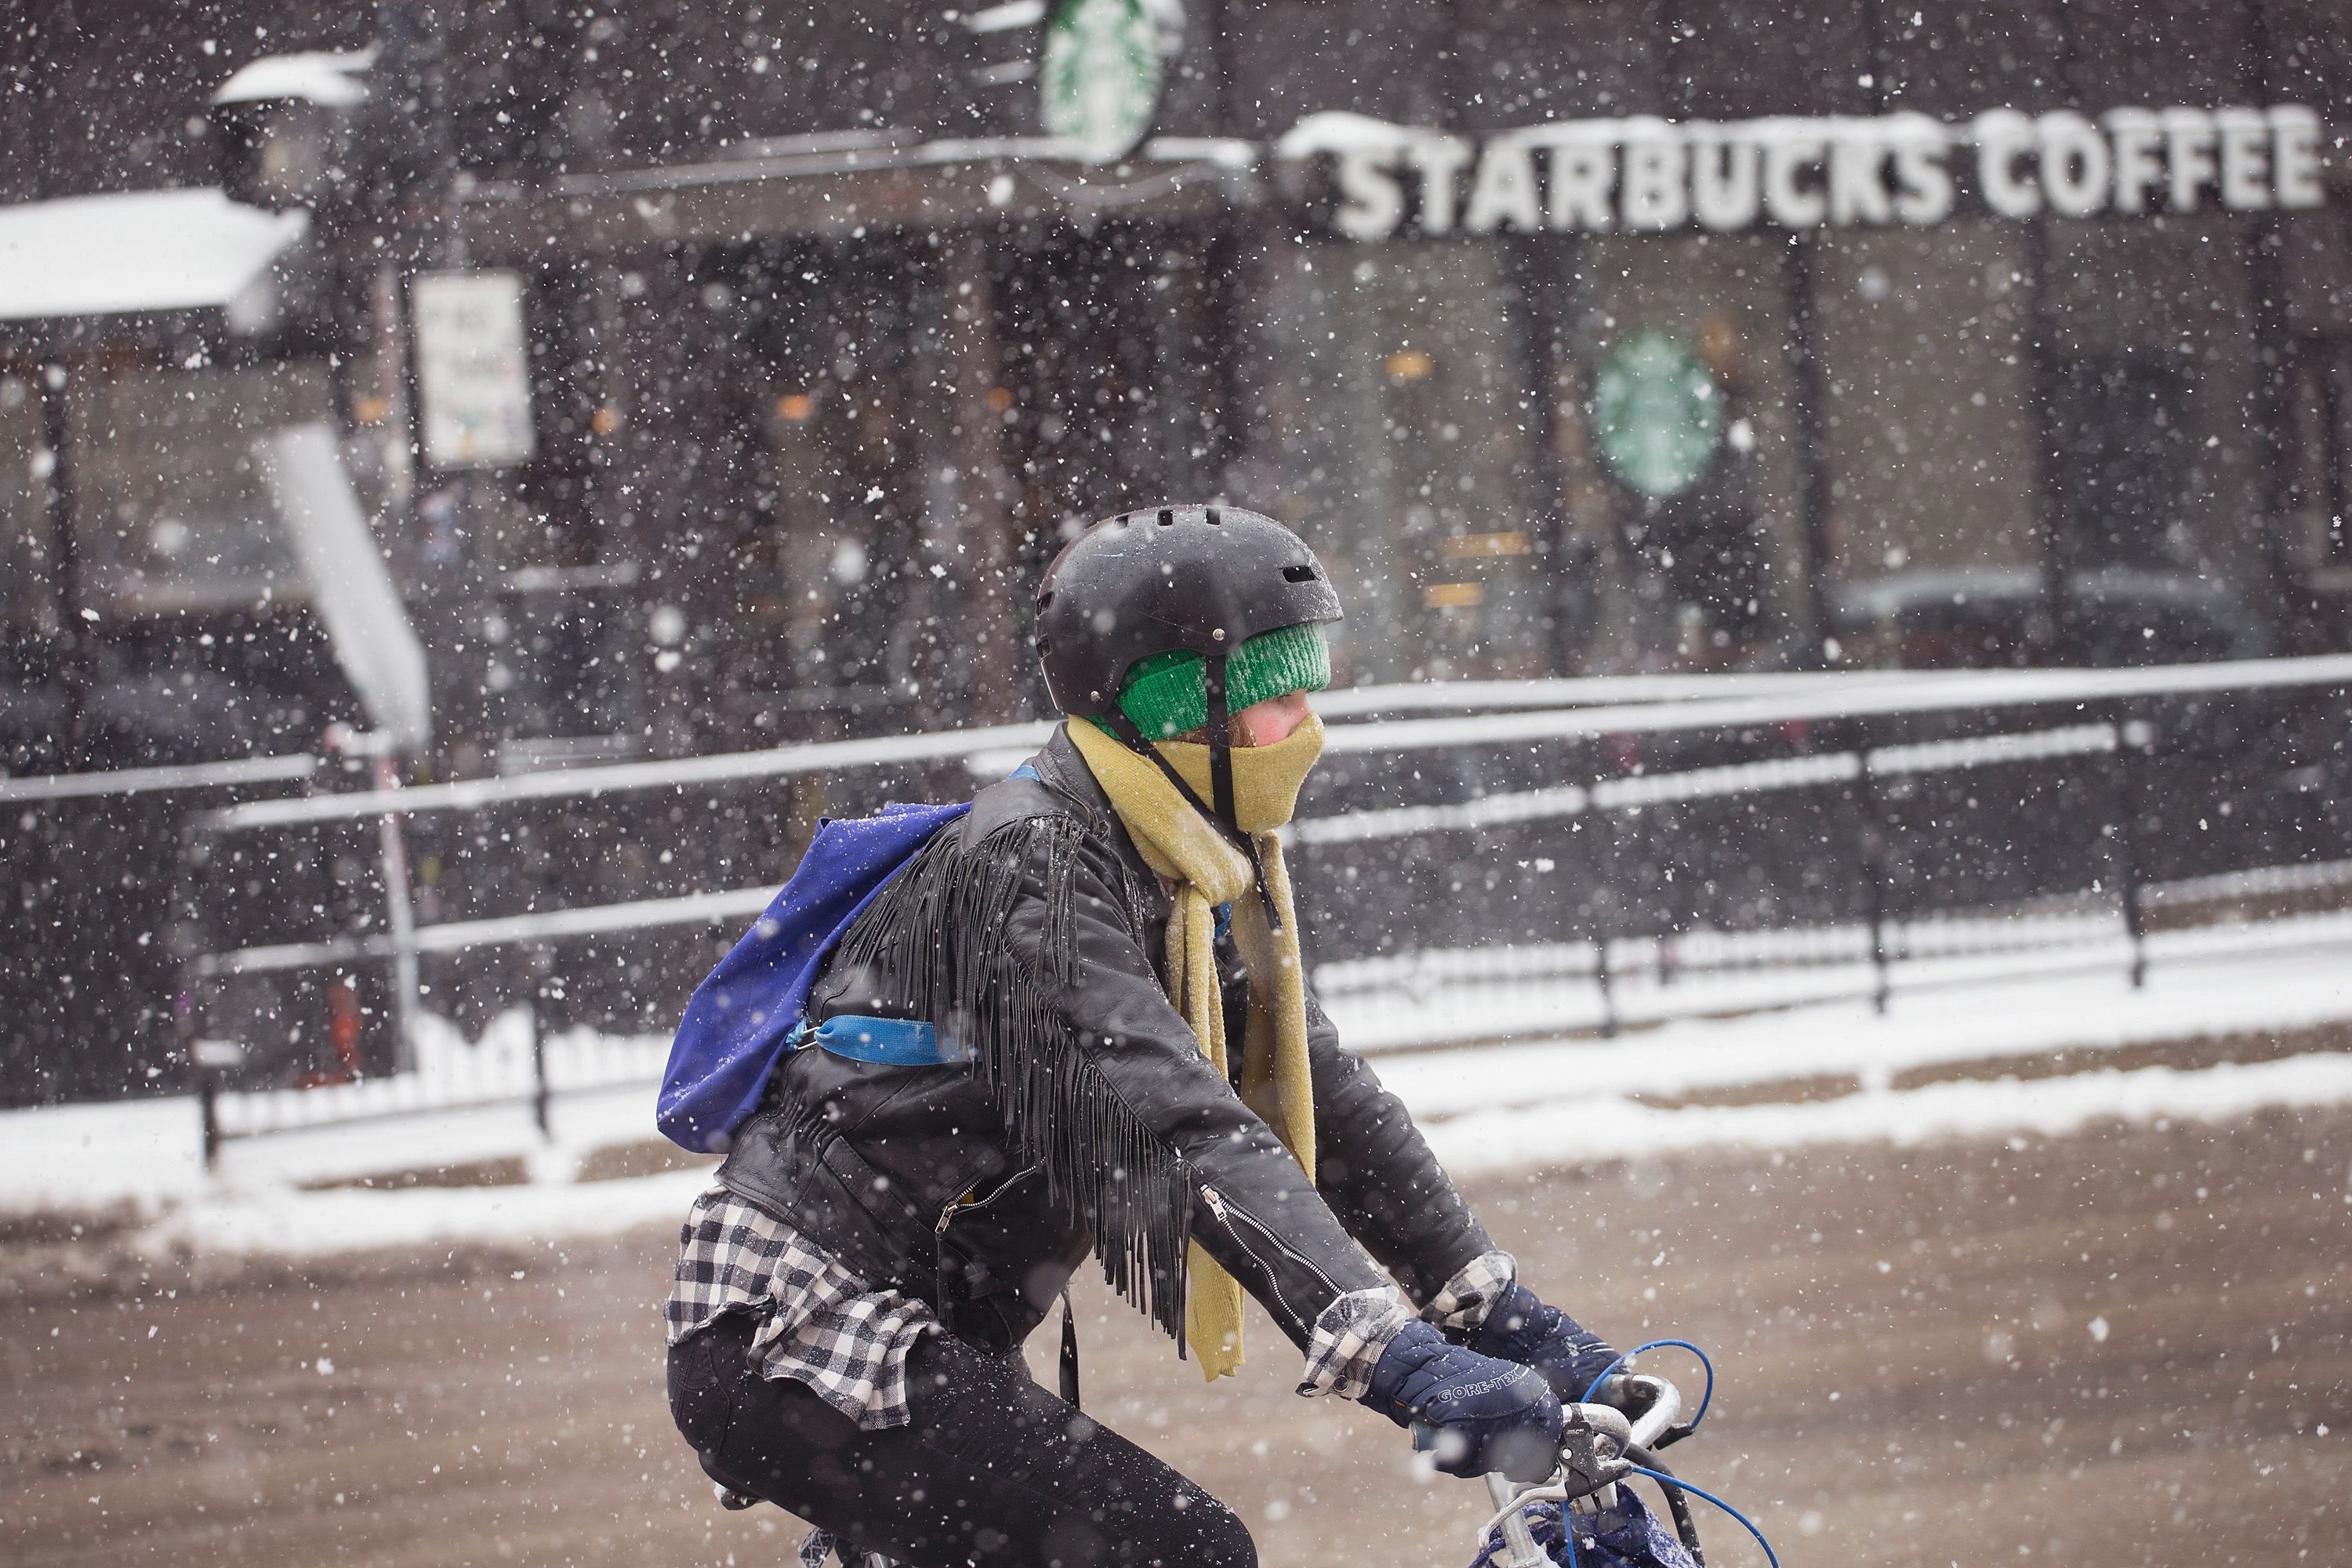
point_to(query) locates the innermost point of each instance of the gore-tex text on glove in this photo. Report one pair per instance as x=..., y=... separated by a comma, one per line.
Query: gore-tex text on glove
x=1490, y=1415
x=1566, y=1355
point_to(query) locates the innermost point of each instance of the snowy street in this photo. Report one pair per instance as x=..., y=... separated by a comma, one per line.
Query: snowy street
x=2036, y=1262
x=2122, y=1347
x=1751, y=604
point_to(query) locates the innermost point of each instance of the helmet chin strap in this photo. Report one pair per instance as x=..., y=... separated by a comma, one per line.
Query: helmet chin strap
x=1221, y=774
x=1221, y=741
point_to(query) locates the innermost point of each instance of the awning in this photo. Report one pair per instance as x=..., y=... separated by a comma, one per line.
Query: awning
x=315, y=77
x=137, y=251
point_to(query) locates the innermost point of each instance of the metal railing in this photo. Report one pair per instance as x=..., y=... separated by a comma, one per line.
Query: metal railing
x=1681, y=822
x=91, y=930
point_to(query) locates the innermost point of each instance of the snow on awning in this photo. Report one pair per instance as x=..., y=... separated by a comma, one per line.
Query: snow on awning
x=319, y=77
x=137, y=251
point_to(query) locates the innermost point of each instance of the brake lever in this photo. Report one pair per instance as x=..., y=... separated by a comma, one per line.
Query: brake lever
x=1592, y=1443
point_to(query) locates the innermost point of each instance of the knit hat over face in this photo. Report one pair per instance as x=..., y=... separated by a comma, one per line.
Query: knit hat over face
x=1165, y=695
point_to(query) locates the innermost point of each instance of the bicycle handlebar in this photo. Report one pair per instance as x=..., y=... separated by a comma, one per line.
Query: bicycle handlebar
x=1664, y=1406
x=1596, y=1443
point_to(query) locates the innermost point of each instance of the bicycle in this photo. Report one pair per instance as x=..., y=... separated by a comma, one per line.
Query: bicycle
x=1594, y=1518
x=1606, y=1439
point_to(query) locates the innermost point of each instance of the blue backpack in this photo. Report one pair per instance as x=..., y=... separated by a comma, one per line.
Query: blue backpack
x=742, y=1016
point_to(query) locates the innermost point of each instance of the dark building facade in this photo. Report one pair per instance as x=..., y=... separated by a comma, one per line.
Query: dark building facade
x=713, y=375
x=1581, y=338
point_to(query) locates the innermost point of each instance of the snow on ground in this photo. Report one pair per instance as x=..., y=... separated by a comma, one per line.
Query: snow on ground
x=2299, y=980
x=1447, y=996
x=141, y=1154
x=283, y=1222
x=1489, y=1108
x=1610, y=1127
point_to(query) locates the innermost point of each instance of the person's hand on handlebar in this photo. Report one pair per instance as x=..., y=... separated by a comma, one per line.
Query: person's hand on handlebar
x=1565, y=1354
x=1490, y=1414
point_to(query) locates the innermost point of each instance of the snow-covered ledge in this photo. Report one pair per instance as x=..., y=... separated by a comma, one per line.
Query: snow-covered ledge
x=139, y=251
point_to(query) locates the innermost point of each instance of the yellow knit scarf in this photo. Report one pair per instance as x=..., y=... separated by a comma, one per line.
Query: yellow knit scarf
x=1208, y=870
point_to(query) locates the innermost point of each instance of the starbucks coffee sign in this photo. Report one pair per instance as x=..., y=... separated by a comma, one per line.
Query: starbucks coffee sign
x=1642, y=173
x=1103, y=66
x=1656, y=416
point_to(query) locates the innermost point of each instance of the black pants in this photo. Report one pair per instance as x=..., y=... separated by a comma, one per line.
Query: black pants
x=992, y=1470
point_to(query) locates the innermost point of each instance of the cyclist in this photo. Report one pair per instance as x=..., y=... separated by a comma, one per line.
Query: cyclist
x=1076, y=1021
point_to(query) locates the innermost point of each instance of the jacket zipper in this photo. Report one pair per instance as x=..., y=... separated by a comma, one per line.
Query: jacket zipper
x=948, y=1213
x=954, y=1207
x=1227, y=1211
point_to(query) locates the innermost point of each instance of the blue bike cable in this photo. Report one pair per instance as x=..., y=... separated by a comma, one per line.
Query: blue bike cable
x=1705, y=1399
x=1567, y=1516
x=1665, y=1480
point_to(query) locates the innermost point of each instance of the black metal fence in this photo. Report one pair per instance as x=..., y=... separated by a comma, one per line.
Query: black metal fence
x=1723, y=820
x=93, y=940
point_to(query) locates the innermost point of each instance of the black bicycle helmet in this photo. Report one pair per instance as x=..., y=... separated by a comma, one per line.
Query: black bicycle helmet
x=1202, y=579
x=1198, y=579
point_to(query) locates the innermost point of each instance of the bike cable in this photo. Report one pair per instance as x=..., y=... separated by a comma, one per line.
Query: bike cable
x=1670, y=1484
x=1696, y=1491
x=1705, y=1399
x=1678, y=1504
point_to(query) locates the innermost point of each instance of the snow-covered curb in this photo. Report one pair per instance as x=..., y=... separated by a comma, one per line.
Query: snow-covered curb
x=2285, y=989
x=1574, y=1131
x=2065, y=963
x=146, y=1157
x=1487, y=1108
x=139, y=1155
x=289, y=1224
x=1581, y=1131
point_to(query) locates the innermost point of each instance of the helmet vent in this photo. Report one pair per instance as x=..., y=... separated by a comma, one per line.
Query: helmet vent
x=1212, y=515
x=1302, y=572
x=1166, y=517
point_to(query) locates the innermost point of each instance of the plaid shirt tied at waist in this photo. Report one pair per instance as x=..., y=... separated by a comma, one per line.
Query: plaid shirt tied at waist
x=822, y=1326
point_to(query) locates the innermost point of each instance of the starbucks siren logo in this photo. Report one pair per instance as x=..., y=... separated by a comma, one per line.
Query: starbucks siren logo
x=1104, y=60
x=1657, y=416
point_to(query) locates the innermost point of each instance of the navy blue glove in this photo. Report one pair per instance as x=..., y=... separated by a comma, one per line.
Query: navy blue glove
x=1490, y=1415
x=1565, y=1354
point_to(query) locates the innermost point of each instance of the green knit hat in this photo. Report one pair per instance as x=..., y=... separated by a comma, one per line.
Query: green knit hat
x=1164, y=695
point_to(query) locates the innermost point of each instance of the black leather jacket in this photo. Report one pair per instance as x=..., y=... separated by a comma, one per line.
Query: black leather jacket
x=1098, y=1127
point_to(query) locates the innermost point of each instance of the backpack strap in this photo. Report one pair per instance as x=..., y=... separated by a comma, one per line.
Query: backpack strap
x=886, y=1042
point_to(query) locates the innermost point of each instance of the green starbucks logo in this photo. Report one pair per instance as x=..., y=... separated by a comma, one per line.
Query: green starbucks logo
x=1657, y=414
x=1104, y=60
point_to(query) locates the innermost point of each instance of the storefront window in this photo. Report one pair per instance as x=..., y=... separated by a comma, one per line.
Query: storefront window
x=27, y=580
x=1387, y=416
x=1097, y=337
x=2127, y=459
x=833, y=606
x=1934, y=534
x=824, y=605
x=2152, y=331
x=2333, y=452
x=170, y=511
x=1928, y=427
x=1676, y=452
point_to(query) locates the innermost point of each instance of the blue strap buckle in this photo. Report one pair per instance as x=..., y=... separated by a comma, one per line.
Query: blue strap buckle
x=885, y=1042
